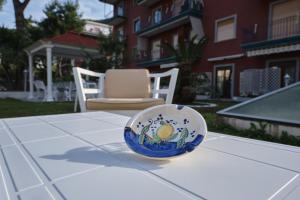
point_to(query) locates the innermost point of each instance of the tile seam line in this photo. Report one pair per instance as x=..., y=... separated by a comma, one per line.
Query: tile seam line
x=81, y=118
x=284, y=186
x=174, y=184
x=263, y=145
x=250, y=159
x=145, y=170
x=62, y=121
x=53, y=124
x=45, y=139
x=191, y=195
x=293, y=189
x=24, y=125
x=77, y=174
x=4, y=182
x=30, y=188
x=100, y=120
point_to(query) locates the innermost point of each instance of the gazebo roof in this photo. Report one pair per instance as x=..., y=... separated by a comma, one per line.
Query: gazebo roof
x=75, y=39
x=67, y=44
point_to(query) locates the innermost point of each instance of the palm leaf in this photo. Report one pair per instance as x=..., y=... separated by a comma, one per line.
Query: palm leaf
x=143, y=134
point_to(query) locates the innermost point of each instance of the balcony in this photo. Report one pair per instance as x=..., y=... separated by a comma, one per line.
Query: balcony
x=172, y=19
x=118, y=17
x=113, y=2
x=285, y=27
x=147, y=2
x=154, y=58
x=284, y=36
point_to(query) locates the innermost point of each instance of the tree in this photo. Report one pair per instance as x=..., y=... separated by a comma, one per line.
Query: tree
x=19, y=7
x=61, y=18
x=13, y=58
x=111, y=50
x=187, y=54
x=1, y=4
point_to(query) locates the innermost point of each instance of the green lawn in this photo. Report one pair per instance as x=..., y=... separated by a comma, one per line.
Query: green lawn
x=16, y=108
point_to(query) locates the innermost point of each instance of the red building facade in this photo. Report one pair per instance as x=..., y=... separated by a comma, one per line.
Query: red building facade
x=252, y=44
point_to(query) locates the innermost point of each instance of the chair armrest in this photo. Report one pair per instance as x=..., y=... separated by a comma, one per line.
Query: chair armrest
x=81, y=91
x=88, y=72
x=165, y=74
x=173, y=73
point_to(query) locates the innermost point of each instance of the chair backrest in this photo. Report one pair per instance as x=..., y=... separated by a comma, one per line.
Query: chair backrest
x=39, y=85
x=127, y=83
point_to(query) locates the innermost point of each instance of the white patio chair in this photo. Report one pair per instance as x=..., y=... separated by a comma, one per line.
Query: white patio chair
x=69, y=90
x=42, y=90
x=124, y=91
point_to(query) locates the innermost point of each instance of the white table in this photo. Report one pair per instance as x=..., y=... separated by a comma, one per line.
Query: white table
x=83, y=156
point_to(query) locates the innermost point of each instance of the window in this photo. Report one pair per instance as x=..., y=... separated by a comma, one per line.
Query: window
x=175, y=41
x=120, y=33
x=156, y=50
x=120, y=9
x=157, y=16
x=284, y=21
x=137, y=25
x=225, y=29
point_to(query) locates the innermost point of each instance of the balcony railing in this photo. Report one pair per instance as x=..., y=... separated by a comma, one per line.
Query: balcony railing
x=285, y=27
x=147, y=2
x=282, y=31
x=189, y=7
x=153, y=57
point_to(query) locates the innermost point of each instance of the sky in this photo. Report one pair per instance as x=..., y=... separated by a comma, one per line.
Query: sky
x=90, y=9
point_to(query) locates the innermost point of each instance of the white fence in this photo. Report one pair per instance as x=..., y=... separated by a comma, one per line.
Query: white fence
x=254, y=82
x=14, y=95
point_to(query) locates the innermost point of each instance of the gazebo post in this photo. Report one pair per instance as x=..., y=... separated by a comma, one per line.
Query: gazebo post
x=73, y=62
x=49, y=97
x=30, y=70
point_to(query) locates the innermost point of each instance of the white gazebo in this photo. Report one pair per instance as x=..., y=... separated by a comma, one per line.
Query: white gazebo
x=72, y=45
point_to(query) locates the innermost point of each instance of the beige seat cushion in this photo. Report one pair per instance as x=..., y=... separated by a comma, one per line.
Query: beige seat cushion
x=127, y=83
x=122, y=104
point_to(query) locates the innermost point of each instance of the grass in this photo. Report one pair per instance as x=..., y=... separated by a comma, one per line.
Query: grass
x=16, y=108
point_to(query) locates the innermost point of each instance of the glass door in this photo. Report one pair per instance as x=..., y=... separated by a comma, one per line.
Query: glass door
x=287, y=67
x=224, y=82
x=155, y=50
x=157, y=16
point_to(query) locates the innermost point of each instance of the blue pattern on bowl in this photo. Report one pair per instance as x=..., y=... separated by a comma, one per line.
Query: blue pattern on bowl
x=162, y=150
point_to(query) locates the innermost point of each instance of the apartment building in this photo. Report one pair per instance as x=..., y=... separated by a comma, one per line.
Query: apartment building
x=253, y=45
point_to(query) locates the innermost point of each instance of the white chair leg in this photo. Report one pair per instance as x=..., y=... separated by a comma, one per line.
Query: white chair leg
x=75, y=104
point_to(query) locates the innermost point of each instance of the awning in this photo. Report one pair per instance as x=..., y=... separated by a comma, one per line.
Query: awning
x=269, y=47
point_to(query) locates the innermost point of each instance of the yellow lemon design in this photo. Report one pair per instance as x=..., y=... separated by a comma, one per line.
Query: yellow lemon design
x=165, y=131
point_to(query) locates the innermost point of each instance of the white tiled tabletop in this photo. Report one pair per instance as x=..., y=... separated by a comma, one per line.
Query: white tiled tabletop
x=83, y=157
